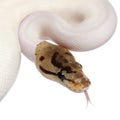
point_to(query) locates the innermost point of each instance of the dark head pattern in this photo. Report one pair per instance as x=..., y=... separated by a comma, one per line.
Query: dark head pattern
x=57, y=63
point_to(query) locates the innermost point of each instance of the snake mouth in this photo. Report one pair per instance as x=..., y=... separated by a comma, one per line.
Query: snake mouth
x=84, y=89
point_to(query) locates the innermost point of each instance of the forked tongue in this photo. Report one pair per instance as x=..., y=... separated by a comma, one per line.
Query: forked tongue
x=87, y=97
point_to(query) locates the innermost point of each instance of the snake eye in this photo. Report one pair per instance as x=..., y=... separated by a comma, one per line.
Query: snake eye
x=61, y=75
x=81, y=66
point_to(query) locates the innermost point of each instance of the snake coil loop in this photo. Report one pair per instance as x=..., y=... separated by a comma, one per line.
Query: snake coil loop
x=78, y=25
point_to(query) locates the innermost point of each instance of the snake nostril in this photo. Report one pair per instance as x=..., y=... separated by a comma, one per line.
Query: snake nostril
x=89, y=82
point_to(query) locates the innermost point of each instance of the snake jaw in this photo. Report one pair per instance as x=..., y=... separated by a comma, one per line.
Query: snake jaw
x=78, y=85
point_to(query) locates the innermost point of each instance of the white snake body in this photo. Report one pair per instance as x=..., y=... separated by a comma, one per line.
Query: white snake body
x=75, y=24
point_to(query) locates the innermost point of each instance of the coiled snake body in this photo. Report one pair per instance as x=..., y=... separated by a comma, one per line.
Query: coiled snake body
x=78, y=25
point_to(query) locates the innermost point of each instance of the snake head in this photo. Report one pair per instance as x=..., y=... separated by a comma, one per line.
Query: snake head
x=57, y=63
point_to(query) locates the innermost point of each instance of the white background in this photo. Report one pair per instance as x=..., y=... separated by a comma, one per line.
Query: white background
x=34, y=97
